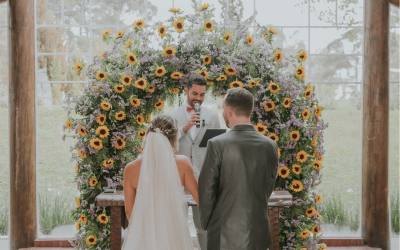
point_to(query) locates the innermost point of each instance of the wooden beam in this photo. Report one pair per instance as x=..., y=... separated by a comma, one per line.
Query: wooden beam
x=375, y=202
x=395, y=2
x=23, y=222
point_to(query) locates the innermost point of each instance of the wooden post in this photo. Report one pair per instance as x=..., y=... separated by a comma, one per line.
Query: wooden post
x=116, y=237
x=375, y=202
x=23, y=222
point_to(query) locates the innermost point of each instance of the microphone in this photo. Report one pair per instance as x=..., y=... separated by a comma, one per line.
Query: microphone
x=197, y=110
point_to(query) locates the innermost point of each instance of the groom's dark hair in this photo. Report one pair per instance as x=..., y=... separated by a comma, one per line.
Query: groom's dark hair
x=196, y=79
x=241, y=101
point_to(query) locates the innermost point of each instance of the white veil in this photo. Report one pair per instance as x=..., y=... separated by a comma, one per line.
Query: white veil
x=158, y=219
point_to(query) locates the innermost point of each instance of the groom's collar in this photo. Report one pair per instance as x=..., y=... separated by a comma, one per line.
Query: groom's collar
x=243, y=127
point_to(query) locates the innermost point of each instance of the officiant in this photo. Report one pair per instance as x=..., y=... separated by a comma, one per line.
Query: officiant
x=191, y=135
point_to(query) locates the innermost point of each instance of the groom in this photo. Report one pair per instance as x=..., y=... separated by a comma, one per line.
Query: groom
x=237, y=179
x=191, y=135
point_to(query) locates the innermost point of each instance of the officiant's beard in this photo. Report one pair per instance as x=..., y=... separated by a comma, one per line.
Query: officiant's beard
x=191, y=102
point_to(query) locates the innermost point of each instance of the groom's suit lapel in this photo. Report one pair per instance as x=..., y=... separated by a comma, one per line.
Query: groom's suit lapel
x=184, y=119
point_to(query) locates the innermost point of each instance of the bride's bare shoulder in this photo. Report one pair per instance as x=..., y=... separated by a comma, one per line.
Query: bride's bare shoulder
x=134, y=165
x=182, y=161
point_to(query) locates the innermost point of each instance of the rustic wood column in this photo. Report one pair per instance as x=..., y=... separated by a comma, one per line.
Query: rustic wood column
x=23, y=225
x=375, y=201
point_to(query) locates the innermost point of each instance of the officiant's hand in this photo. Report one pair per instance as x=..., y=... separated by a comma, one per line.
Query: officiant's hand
x=192, y=121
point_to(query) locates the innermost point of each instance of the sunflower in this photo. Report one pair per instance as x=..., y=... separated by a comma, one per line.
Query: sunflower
x=319, y=216
x=308, y=93
x=176, y=75
x=208, y=25
x=305, y=234
x=283, y=172
x=279, y=153
x=119, y=89
x=160, y=71
x=223, y=96
x=77, y=202
x=119, y=143
x=96, y=143
x=316, y=229
x=78, y=67
x=140, y=83
x=300, y=72
x=230, y=71
x=273, y=136
x=108, y=163
x=68, y=124
x=139, y=23
x=142, y=134
x=252, y=84
x=236, y=84
x=310, y=212
x=120, y=115
x=274, y=31
x=77, y=225
x=203, y=73
x=222, y=78
x=131, y=58
x=318, y=155
x=278, y=56
x=102, y=55
x=82, y=131
x=105, y=32
x=126, y=80
x=169, y=51
x=210, y=83
x=302, y=55
x=175, y=9
x=91, y=240
x=152, y=89
x=249, y=40
x=162, y=30
x=262, y=129
x=101, y=119
x=207, y=60
x=294, y=135
x=286, y=103
x=103, y=218
x=314, y=143
x=296, y=169
x=105, y=105
x=120, y=33
x=76, y=168
x=100, y=75
x=140, y=119
x=296, y=186
x=273, y=87
x=175, y=90
x=148, y=118
x=227, y=37
x=203, y=7
x=318, y=111
x=306, y=114
x=318, y=199
x=323, y=247
x=317, y=165
x=303, y=248
x=83, y=219
x=102, y=131
x=128, y=43
x=269, y=105
x=178, y=24
x=301, y=156
x=159, y=104
x=135, y=102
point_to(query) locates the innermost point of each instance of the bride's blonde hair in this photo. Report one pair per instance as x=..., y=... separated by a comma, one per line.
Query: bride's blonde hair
x=168, y=126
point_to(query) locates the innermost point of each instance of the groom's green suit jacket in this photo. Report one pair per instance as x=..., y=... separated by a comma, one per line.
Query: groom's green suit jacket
x=237, y=178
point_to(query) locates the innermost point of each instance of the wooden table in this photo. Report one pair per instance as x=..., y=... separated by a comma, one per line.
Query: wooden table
x=118, y=218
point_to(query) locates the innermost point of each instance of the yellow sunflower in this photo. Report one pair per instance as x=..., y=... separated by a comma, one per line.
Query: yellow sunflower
x=301, y=156
x=318, y=199
x=77, y=202
x=83, y=219
x=294, y=135
x=323, y=247
x=286, y=103
x=102, y=55
x=252, y=84
x=68, y=124
x=78, y=67
x=319, y=216
x=108, y=163
x=306, y=114
x=314, y=143
x=101, y=75
x=139, y=119
x=160, y=71
x=249, y=40
x=139, y=23
x=120, y=116
x=203, y=73
x=207, y=60
x=148, y=118
x=317, y=165
x=227, y=37
x=91, y=240
x=296, y=186
x=152, y=89
x=105, y=105
x=208, y=25
x=305, y=234
x=126, y=80
x=236, y=84
x=96, y=143
x=262, y=129
x=302, y=55
x=140, y=83
x=178, y=24
x=142, y=134
x=175, y=9
x=318, y=111
x=162, y=30
x=203, y=7
x=303, y=248
x=230, y=71
x=273, y=87
x=274, y=31
x=77, y=225
x=318, y=155
x=102, y=131
x=176, y=75
x=119, y=143
x=105, y=32
x=76, y=168
x=279, y=153
x=296, y=169
x=210, y=83
x=283, y=172
x=300, y=73
x=93, y=182
x=278, y=56
x=135, y=102
x=310, y=212
x=131, y=58
x=101, y=119
x=222, y=78
x=316, y=229
x=128, y=43
x=82, y=131
x=169, y=51
x=159, y=104
x=308, y=93
x=103, y=218
x=274, y=137
x=175, y=90
x=119, y=89
x=269, y=105
x=120, y=33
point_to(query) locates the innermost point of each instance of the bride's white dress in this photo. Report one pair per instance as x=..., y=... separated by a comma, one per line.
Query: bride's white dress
x=159, y=216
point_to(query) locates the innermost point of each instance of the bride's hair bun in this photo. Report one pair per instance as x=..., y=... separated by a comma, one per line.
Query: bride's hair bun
x=166, y=125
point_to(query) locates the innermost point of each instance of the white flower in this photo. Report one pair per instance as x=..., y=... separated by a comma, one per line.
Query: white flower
x=158, y=130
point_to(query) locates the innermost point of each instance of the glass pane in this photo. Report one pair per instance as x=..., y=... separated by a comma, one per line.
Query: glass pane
x=118, y=12
x=4, y=165
x=3, y=55
x=59, y=68
x=98, y=45
x=350, y=13
x=336, y=41
x=76, y=12
x=342, y=143
x=394, y=54
x=48, y=11
x=394, y=16
x=322, y=13
x=158, y=10
x=294, y=40
x=63, y=40
x=3, y=13
x=335, y=68
x=189, y=7
x=245, y=8
x=270, y=12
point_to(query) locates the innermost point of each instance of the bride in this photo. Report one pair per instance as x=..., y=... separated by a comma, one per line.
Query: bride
x=153, y=190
